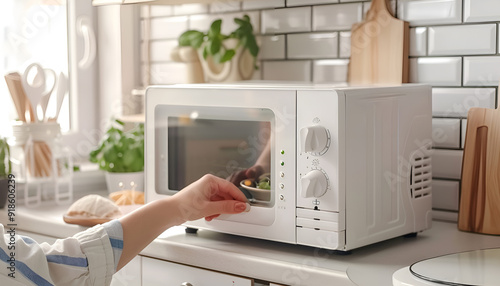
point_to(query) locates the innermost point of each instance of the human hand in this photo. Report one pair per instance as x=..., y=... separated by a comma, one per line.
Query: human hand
x=209, y=197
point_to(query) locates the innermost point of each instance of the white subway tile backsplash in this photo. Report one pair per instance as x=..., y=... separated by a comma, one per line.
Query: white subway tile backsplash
x=455, y=102
x=286, y=70
x=225, y=6
x=481, y=71
x=203, y=22
x=345, y=44
x=464, y=132
x=286, y=20
x=367, y=5
x=159, y=10
x=168, y=73
x=430, y=12
x=330, y=71
x=336, y=17
x=462, y=40
x=436, y=71
x=481, y=10
x=160, y=50
x=447, y=164
x=446, y=133
x=290, y=3
x=445, y=194
x=312, y=45
x=418, y=41
x=190, y=9
x=273, y=47
x=262, y=4
x=168, y=28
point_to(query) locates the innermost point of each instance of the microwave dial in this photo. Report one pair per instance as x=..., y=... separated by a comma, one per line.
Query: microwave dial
x=314, y=140
x=314, y=184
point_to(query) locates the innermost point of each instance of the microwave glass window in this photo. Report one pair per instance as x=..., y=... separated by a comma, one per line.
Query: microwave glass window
x=200, y=143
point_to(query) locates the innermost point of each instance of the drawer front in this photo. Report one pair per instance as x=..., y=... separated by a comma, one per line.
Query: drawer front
x=158, y=272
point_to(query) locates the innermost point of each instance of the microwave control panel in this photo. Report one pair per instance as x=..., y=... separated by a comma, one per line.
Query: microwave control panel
x=319, y=194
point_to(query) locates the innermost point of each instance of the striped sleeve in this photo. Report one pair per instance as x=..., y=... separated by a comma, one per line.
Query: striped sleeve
x=88, y=258
x=115, y=234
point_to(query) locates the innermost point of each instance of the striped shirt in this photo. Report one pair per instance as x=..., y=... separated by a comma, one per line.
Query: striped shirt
x=88, y=258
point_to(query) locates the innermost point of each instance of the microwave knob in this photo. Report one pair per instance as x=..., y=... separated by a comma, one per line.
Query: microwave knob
x=314, y=184
x=314, y=139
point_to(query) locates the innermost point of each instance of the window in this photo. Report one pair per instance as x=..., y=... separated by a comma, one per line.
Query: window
x=33, y=31
x=57, y=34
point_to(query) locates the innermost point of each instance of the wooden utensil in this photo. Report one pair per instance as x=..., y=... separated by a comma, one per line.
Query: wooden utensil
x=379, y=48
x=480, y=193
x=21, y=102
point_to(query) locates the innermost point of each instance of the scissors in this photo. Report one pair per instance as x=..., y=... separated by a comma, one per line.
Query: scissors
x=38, y=83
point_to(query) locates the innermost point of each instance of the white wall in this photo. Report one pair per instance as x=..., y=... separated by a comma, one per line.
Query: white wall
x=453, y=47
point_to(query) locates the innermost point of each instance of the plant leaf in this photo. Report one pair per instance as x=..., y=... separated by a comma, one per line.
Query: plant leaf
x=191, y=38
x=215, y=46
x=228, y=55
x=252, y=46
x=206, y=52
x=215, y=28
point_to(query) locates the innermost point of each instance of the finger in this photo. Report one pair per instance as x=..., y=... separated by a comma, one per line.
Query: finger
x=226, y=207
x=210, y=218
x=225, y=188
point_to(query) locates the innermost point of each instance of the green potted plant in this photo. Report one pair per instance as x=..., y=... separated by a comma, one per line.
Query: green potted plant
x=121, y=155
x=223, y=58
x=5, y=170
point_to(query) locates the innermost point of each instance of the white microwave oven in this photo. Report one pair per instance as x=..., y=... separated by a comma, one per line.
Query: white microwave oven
x=334, y=167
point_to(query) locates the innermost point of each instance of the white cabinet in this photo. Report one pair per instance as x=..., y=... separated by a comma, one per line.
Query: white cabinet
x=159, y=272
x=129, y=275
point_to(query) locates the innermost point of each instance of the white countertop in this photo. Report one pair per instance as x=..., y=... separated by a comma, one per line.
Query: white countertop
x=279, y=262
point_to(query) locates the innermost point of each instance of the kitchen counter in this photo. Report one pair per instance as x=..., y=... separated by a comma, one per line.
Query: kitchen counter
x=278, y=262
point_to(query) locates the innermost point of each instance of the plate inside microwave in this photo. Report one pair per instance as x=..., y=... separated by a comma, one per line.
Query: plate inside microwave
x=257, y=193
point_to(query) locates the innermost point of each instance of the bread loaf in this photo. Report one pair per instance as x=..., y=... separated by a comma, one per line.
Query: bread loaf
x=94, y=206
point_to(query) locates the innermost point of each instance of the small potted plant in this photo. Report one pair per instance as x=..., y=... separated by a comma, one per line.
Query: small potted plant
x=5, y=170
x=121, y=155
x=223, y=58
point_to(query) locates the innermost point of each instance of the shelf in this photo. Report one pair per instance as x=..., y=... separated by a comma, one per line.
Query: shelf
x=136, y=118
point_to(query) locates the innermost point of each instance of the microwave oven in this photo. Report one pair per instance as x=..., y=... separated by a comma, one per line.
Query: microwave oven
x=336, y=167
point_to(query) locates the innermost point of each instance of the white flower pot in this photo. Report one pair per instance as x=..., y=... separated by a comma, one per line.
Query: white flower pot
x=125, y=181
x=240, y=67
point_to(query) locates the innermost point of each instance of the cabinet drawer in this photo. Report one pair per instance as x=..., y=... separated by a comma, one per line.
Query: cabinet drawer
x=158, y=272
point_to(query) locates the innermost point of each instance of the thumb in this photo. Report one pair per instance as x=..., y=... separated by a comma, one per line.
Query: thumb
x=226, y=207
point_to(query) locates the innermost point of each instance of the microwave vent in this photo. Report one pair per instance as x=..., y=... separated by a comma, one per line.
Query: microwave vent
x=421, y=174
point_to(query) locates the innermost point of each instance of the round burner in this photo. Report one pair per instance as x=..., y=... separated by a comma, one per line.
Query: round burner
x=478, y=267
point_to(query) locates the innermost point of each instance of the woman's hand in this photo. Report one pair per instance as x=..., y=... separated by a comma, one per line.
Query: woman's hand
x=209, y=197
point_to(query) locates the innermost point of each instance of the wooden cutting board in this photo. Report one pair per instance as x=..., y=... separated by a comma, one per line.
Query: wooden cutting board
x=480, y=193
x=379, y=48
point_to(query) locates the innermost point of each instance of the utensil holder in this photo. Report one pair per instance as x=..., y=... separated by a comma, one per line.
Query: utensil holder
x=40, y=161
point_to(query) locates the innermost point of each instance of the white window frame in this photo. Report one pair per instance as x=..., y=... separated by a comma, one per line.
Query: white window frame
x=84, y=130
